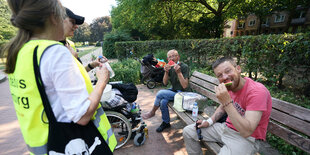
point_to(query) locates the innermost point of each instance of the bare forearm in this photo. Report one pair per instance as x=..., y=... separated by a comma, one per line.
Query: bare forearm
x=184, y=82
x=219, y=112
x=94, y=98
x=240, y=123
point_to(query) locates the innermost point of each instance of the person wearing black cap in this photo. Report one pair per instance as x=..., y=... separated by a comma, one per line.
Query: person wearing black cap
x=71, y=23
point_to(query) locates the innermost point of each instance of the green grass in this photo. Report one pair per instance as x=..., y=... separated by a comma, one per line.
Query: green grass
x=2, y=63
x=2, y=66
x=86, y=51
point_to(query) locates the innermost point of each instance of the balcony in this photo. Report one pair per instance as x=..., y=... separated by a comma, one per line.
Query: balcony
x=298, y=21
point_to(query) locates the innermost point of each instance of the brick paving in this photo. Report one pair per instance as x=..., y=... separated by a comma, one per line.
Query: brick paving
x=166, y=143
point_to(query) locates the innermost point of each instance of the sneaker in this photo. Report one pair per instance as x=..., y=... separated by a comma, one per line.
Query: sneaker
x=163, y=126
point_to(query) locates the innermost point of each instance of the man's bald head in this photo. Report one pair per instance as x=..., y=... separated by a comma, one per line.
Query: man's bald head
x=173, y=55
x=172, y=52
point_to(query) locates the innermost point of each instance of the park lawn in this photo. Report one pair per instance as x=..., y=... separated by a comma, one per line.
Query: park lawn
x=83, y=52
x=2, y=63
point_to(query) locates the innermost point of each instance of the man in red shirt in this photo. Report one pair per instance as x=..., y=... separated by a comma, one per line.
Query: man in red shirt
x=248, y=106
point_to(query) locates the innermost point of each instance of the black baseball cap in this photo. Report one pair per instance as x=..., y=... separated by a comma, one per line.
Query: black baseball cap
x=78, y=19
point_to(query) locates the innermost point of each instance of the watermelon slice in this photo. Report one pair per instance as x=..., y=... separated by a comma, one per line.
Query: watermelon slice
x=171, y=63
x=228, y=83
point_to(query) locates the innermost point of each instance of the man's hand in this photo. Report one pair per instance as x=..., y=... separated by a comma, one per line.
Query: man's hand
x=167, y=68
x=222, y=94
x=203, y=124
x=177, y=68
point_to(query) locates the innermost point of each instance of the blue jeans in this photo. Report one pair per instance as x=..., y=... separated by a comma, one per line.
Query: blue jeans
x=162, y=99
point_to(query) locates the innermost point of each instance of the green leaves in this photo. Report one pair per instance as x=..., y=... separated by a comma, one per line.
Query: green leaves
x=7, y=31
x=126, y=71
x=273, y=58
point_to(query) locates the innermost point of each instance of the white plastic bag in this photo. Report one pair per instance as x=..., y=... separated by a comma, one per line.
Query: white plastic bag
x=185, y=100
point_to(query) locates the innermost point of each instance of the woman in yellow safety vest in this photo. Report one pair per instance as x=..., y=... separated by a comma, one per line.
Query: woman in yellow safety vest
x=66, y=82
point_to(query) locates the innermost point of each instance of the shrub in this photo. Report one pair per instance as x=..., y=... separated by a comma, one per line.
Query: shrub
x=109, y=42
x=274, y=57
x=2, y=44
x=161, y=54
x=127, y=70
x=98, y=44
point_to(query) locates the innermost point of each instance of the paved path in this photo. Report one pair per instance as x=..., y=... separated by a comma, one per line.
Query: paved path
x=168, y=142
x=88, y=58
x=11, y=140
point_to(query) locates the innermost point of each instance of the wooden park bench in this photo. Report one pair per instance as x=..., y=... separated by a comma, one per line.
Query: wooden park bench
x=287, y=121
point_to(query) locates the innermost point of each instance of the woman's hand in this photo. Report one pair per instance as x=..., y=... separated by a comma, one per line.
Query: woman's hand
x=102, y=73
x=95, y=63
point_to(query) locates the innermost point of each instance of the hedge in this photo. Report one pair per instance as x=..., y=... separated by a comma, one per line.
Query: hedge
x=273, y=57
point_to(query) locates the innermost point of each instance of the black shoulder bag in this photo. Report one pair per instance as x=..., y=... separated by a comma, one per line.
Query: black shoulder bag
x=69, y=138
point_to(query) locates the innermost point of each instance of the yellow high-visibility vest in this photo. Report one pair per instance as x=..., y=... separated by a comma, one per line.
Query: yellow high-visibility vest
x=28, y=103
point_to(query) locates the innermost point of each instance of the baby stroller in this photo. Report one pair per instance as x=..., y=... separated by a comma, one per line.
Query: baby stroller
x=151, y=75
x=124, y=114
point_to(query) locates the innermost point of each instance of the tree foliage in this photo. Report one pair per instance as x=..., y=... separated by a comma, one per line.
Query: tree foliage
x=99, y=27
x=109, y=42
x=174, y=19
x=153, y=19
x=82, y=34
x=7, y=31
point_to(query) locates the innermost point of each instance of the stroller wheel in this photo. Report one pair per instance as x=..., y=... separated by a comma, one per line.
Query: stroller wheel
x=139, y=139
x=151, y=84
x=145, y=79
x=120, y=126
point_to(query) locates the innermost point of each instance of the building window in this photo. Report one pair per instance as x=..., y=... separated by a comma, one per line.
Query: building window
x=279, y=18
x=241, y=25
x=265, y=22
x=302, y=14
x=231, y=32
x=252, y=22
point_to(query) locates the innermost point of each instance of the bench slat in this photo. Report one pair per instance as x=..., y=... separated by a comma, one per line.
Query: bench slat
x=212, y=148
x=291, y=117
x=291, y=109
x=204, y=92
x=290, y=121
x=202, y=83
x=206, y=77
x=182, y=115
x=289, y=136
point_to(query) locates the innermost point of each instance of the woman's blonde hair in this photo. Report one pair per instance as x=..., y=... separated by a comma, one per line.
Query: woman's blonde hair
x=28, y=16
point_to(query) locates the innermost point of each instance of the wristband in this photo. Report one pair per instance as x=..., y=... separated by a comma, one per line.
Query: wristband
x=210, y=121
x=231, y=102
x=89, y=66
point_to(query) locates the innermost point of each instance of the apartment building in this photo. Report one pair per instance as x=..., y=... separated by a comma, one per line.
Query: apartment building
x=277, y=23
